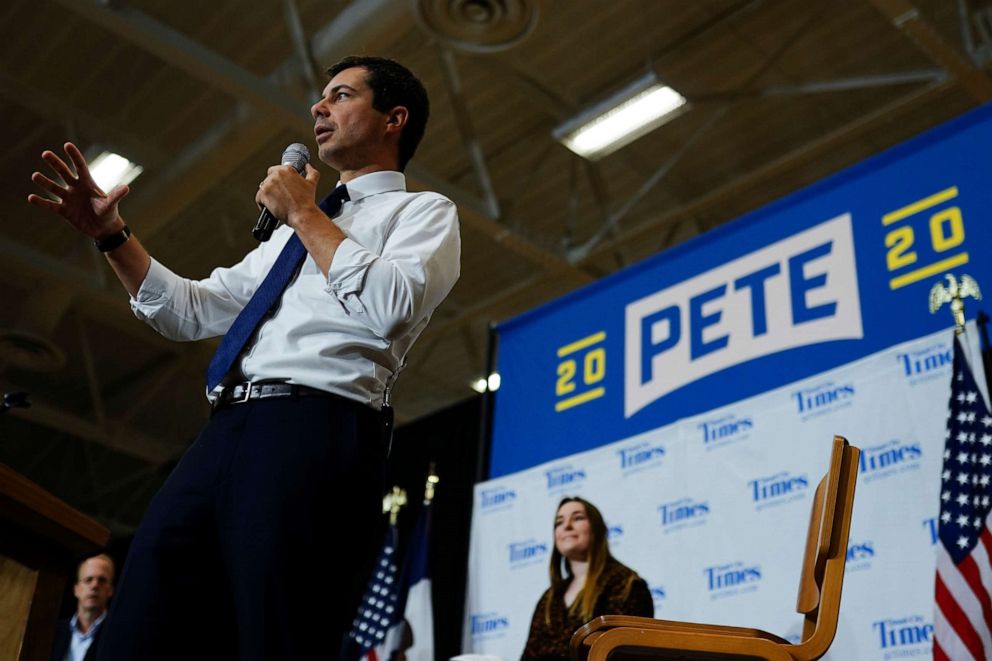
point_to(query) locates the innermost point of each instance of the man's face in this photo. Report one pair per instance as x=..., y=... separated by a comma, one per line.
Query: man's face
x=94, y=585
x=348, y=129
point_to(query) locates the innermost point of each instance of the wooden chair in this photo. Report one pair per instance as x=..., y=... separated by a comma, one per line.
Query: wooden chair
x=622, y=637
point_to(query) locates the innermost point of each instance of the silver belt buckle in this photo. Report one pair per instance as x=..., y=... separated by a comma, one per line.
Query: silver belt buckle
x=247, y=394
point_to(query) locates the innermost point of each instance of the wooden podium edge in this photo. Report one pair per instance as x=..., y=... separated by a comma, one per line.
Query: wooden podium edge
x=27, y=504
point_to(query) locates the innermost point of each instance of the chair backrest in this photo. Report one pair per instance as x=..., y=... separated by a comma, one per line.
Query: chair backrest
x=822, y=575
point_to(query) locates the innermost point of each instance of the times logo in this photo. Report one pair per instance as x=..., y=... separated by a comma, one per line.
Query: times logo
x=488, y=625
x=908, y=636
x=496, y=498
x=564, y=477
x=731, y=579
x=778, y=489
x=640, y=456
x=927, y=363
x=725, y=430
x=526, y=553
x=888, y=459
x=822, y=398
x=683, y=513
x=859, y=556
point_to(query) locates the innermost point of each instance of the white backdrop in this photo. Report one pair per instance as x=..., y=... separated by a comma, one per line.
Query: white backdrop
x=712, y=511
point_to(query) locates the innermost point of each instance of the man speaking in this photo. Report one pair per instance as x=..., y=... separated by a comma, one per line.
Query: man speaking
x=259, y=544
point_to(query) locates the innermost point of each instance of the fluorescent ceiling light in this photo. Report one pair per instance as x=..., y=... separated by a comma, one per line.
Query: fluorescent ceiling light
x=638, y=109
x=110, y=170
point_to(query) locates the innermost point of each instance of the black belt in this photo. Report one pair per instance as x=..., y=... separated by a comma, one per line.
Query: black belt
x=247, y=391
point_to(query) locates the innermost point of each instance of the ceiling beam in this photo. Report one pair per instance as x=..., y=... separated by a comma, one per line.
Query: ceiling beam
x=131, y=442
x=466, y=128
x=190, y=56
x=264, y=109
x=274, y=102
x=43, y=104
x=612, y=224
x=775, y=168
x=302, y=47
x=908, y=20
x=91, y=297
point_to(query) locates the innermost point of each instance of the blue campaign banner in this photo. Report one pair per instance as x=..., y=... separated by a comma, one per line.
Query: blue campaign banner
x=832, y=273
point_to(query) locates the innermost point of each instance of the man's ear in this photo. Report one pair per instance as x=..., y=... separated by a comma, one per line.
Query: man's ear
x=396, y=118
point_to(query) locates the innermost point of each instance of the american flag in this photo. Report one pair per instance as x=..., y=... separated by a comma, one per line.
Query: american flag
x=380, y=606
x=963, y=613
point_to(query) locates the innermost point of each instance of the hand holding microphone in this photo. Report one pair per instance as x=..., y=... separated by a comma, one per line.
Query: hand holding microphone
x=298, y=156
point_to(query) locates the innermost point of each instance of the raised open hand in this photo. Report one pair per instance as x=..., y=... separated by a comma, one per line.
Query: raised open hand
x=80, y=200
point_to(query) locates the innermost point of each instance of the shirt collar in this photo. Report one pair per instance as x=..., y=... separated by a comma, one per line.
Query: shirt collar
x=93, y=628
x=373, y=183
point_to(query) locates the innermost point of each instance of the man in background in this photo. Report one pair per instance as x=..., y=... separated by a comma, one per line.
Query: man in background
x=76, y=639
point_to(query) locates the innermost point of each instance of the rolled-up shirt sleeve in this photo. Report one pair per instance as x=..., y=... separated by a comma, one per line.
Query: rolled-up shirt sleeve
x=184, y=309
x=394, y=291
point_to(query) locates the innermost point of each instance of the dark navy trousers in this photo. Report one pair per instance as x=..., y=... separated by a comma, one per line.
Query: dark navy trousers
x=260, y=543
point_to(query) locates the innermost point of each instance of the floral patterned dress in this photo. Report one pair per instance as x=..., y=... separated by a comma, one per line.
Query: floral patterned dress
x=624, y=593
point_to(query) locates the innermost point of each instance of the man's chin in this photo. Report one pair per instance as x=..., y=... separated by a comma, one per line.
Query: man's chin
x=327, y=154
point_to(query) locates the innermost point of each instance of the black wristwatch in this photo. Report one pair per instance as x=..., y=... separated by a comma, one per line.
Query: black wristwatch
x=113, y=241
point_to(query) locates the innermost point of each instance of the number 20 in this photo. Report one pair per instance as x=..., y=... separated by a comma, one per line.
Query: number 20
x=593, y=371
x=946, y=232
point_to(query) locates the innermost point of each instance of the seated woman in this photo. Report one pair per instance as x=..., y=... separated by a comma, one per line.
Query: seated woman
x=593, y=583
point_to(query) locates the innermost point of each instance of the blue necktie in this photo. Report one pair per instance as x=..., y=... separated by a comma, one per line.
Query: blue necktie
x=266, y=296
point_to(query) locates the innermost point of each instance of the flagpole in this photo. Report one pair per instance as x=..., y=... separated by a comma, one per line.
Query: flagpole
x=485, y=440
x=431, y=484
x=392, y=503
x=954, y=292
x=982, y=322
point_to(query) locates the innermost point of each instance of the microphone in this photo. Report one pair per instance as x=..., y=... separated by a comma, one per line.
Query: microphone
x=298, y=156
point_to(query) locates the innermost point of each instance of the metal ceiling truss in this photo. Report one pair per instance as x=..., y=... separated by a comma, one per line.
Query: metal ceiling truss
x=456, y=95
x=266, y=107
x=613, y=219
x=907, y=19
x=771, y=170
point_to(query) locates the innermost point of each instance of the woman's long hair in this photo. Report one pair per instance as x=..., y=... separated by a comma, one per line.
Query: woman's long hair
x=599, y=553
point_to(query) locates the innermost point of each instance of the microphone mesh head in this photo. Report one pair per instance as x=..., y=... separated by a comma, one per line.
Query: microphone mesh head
x=296, y=155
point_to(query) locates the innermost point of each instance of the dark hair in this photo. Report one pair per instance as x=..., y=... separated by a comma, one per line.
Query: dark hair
x=599, y=553
x=392, y=85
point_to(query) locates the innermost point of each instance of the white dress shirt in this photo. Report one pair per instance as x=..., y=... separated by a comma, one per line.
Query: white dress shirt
x=349, y=333
x=80, y=642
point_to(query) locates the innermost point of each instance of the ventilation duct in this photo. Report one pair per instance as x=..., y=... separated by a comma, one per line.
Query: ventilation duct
x=477, y=26
x=29, y=344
